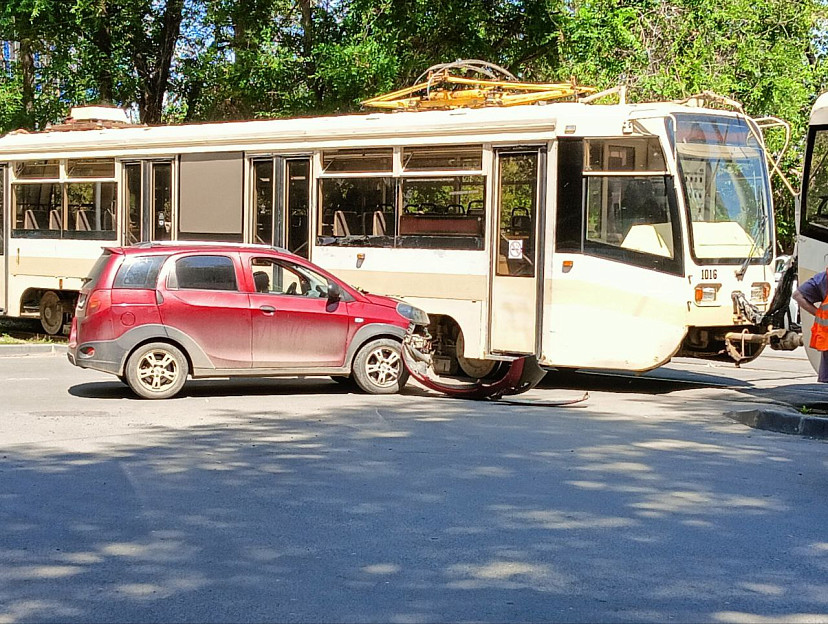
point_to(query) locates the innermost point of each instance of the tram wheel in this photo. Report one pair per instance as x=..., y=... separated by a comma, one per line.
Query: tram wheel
x=473, y=367
x=51, y=313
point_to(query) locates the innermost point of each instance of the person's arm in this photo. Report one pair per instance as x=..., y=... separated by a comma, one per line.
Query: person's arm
x=804, y=304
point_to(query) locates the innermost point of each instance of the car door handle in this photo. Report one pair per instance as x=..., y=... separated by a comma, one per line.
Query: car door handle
x=268, y=310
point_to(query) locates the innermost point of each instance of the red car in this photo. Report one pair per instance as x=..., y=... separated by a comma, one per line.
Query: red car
x=154, y=313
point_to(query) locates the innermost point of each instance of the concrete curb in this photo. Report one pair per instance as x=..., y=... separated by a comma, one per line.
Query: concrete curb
x=783, y=421
x=17, y=350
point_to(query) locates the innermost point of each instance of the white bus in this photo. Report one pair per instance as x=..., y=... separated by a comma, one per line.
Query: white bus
x=812, y=213
x=610, y=236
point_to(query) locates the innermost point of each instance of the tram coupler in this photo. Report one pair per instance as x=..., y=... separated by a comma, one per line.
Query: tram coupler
x=522, y=375
x=777, y=339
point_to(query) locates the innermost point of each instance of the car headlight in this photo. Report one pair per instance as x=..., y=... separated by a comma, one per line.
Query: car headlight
x=415, y=315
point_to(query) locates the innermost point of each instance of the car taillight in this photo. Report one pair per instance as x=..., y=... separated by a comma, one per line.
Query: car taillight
x=98, y=301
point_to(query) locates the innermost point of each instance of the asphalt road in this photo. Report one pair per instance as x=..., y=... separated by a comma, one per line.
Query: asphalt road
x=295, y=501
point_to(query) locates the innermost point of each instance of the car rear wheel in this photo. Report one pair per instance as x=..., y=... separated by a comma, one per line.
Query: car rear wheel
x=378, y=367
x=156, y=371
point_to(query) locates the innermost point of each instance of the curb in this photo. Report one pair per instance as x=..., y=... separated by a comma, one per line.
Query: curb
x=783, y=421
x=17, y=350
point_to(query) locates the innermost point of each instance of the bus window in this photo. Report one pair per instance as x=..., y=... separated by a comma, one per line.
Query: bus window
x=815, y=214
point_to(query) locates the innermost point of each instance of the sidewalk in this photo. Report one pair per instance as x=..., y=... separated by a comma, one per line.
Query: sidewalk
x=23, y=349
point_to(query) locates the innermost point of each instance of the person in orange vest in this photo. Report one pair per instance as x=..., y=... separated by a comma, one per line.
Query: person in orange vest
x=812, y=296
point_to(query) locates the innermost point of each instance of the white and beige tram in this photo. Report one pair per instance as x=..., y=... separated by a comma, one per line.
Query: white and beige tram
x=588, y=235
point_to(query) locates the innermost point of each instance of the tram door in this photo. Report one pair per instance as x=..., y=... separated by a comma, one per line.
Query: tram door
x=513, y=293
x=282, y=198
x=149, y=201
x=3, y=230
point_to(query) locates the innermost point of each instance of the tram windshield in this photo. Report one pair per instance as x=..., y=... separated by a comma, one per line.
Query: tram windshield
x=726, y=188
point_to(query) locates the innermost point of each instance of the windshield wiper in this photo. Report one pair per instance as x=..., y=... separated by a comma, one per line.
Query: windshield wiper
x=760, y=227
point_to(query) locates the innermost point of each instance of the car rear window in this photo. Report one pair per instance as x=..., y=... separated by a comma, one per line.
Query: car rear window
x=139, y=272
x=97, y=270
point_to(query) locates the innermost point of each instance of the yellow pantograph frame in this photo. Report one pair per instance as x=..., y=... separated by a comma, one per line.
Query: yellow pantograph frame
x=476, y=93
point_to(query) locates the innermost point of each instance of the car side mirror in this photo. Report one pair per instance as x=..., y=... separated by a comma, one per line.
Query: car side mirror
x=334, y=293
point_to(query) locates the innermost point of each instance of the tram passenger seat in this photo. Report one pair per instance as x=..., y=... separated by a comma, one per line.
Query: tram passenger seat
x=82, y=221
x=30, y=221
x=378, y=223
x=55, y=220
x=344, y=223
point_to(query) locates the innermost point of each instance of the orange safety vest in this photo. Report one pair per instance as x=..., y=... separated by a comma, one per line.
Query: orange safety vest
x=819, y=330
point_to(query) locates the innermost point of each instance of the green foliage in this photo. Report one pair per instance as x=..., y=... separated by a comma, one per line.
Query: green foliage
x=189, y=60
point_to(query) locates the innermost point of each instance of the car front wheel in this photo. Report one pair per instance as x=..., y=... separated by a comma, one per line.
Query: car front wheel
x=378, y=367
x=156, y=371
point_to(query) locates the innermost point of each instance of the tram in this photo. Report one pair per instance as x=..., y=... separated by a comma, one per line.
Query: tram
x=583, y=234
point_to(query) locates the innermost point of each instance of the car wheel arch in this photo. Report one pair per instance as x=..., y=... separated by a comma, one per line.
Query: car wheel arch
x=368, y=333
x=165, y=340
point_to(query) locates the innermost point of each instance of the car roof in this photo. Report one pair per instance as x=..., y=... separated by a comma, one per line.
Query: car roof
x=186, y=246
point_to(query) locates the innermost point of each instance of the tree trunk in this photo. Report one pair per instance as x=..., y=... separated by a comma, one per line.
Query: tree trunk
x=102, y=39
x=156, y=76
x=27, y=70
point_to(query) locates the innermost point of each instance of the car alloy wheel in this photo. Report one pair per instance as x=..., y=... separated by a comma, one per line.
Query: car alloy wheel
x=378, y=367
x=156, y=371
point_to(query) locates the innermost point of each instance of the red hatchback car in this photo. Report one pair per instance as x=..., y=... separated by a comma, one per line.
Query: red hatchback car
x=154, y=313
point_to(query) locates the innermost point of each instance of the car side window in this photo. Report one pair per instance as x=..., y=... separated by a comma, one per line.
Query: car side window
x=281, y=277
x=139, y=272
x=204, y=273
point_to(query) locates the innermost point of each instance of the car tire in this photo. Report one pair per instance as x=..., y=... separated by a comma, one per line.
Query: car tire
x=156, y=370
x=378, y=367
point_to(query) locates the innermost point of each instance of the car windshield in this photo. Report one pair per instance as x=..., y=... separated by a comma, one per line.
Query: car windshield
x=726, y=187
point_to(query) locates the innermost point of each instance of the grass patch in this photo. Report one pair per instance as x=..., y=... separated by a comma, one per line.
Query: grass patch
x=6, y=339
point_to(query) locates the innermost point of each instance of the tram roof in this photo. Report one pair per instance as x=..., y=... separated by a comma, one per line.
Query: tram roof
x=493, y=124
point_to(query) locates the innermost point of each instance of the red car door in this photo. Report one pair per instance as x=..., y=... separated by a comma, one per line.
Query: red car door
x=293, y=324
x=202, y=299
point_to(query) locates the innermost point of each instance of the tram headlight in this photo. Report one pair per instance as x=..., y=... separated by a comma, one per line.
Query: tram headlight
x=409, y=312
x=760, y=291
x=706, y=293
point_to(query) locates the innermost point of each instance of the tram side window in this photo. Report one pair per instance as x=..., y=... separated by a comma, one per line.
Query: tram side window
x=815, y=214
x=356, y=198
x=442, y=213
x=436, y=202
x=74, y=206
x=2, y=208
x=615, y=200
x=630, y=213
